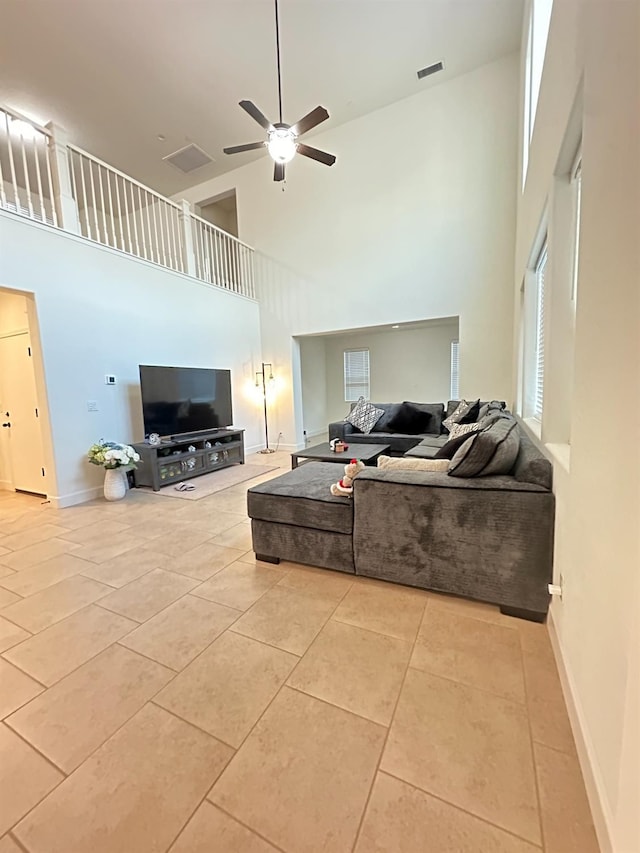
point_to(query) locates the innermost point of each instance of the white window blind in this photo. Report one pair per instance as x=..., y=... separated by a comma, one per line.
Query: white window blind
x=541, y=267
x=455, y=371
x=356, y=374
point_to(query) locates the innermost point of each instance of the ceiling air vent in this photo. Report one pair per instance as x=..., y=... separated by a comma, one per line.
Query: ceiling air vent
x=430, y=69
x=189, y=158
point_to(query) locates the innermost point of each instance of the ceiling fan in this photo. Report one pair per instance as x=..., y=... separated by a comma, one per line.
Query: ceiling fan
x=282, y=139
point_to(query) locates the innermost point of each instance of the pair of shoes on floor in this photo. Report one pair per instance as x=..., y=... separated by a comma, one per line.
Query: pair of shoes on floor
x=184, y=487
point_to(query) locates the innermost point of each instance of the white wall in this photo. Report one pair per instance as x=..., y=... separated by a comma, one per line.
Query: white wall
x=415, y=220
x=411, y=364
x=313, y=368
x=100, y=311
x=595, y=45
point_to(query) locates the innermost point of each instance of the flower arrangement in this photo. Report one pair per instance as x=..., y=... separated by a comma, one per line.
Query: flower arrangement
x=109, y=455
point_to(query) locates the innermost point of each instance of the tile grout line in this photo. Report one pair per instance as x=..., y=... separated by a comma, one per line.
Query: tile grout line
x=572, y=754
x=16, y=841
x=463, y=811
x=40, y=753
x=246, y=826
x=531, y=748
x=388, y=732
x=265, y=711
x=483, y=690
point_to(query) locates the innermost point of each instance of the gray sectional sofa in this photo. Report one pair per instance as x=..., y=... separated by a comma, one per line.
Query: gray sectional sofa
x=487, y=538
x=398, y=442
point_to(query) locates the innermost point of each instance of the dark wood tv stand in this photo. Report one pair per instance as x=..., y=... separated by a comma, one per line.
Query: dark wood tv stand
x=174, y=461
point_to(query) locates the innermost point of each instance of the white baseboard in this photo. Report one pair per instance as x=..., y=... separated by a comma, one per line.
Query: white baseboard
x=62, y=501
x=593, y=782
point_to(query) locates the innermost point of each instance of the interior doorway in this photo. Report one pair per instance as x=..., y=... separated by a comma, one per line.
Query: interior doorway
x=22, y=465
x=222, y=211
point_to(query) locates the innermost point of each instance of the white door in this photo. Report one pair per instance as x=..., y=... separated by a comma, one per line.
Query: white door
x=20, y=415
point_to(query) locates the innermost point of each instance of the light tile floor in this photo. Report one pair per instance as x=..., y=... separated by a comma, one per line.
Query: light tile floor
x=160, y=690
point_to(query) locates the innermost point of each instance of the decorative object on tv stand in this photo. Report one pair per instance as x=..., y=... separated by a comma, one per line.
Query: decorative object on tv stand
x=116, y=459
x=262, y=377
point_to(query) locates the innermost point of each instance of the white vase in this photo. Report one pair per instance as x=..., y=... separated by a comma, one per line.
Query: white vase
x=115, y=484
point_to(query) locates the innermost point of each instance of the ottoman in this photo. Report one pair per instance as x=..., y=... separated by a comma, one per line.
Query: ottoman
x=295, y=517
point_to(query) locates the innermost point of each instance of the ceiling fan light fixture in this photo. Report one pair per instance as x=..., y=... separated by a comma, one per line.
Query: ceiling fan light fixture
x=281, y=145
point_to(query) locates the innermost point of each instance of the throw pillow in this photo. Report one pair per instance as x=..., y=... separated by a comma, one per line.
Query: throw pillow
x=458, y=434
x=364, y=416
x=491, y=451
x=389, y=413
x=465, y=413
x=406, y=463
x=410, y=420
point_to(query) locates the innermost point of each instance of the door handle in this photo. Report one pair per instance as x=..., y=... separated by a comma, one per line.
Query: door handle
x=8, y=424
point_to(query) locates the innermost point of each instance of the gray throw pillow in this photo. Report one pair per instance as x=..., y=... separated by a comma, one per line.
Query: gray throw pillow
x=364, y=416
x=491, y=451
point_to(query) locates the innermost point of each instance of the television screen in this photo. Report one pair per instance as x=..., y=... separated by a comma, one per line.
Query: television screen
x=185, y=399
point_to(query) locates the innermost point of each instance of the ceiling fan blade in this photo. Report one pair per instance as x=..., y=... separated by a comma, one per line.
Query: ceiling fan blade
x=278, y=171
x=254, y=112
x=315, y=154
x=236, y=149
x=310, y=121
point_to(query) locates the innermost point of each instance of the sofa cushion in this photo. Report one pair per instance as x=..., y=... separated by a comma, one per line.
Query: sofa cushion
x=491, y=451
x=465, y=413
x=410, y=420
x=408, y=463
x=302, y=498
x=364, y=416
x=436, y=410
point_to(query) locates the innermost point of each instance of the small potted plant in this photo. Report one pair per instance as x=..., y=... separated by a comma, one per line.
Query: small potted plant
x=116, y=459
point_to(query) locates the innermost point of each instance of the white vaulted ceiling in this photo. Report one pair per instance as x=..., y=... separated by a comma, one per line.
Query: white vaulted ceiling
x=116, y=74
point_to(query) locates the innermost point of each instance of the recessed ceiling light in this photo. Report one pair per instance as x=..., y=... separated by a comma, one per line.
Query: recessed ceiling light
x=395, y=327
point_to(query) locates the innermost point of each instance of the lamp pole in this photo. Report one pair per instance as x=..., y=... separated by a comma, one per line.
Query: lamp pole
x=267, y=449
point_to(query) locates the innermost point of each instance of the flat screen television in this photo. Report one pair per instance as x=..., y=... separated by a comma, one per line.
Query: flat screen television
x=179, y=400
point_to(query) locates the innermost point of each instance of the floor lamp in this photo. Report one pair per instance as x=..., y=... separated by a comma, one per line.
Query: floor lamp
x=261, y=378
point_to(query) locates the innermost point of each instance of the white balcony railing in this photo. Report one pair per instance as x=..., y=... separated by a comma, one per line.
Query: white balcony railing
x=46, y=178
x=222, y=259
x=26, y=182
x=117, y=211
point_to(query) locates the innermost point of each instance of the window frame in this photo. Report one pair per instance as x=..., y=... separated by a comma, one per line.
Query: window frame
x=576, y=187
x=362, y=384
x=540, y=269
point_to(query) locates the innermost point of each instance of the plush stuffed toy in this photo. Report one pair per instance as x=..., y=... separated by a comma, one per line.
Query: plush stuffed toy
x=351, y=471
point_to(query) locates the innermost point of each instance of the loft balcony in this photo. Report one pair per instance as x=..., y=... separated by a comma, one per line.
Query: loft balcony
x=47, y=179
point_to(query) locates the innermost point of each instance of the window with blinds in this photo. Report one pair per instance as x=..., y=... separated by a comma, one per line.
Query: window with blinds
x=455, y=371
x=356, y=374
x=540, y=270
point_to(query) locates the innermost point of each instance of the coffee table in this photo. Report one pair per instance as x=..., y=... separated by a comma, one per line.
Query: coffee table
x=368, y=453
